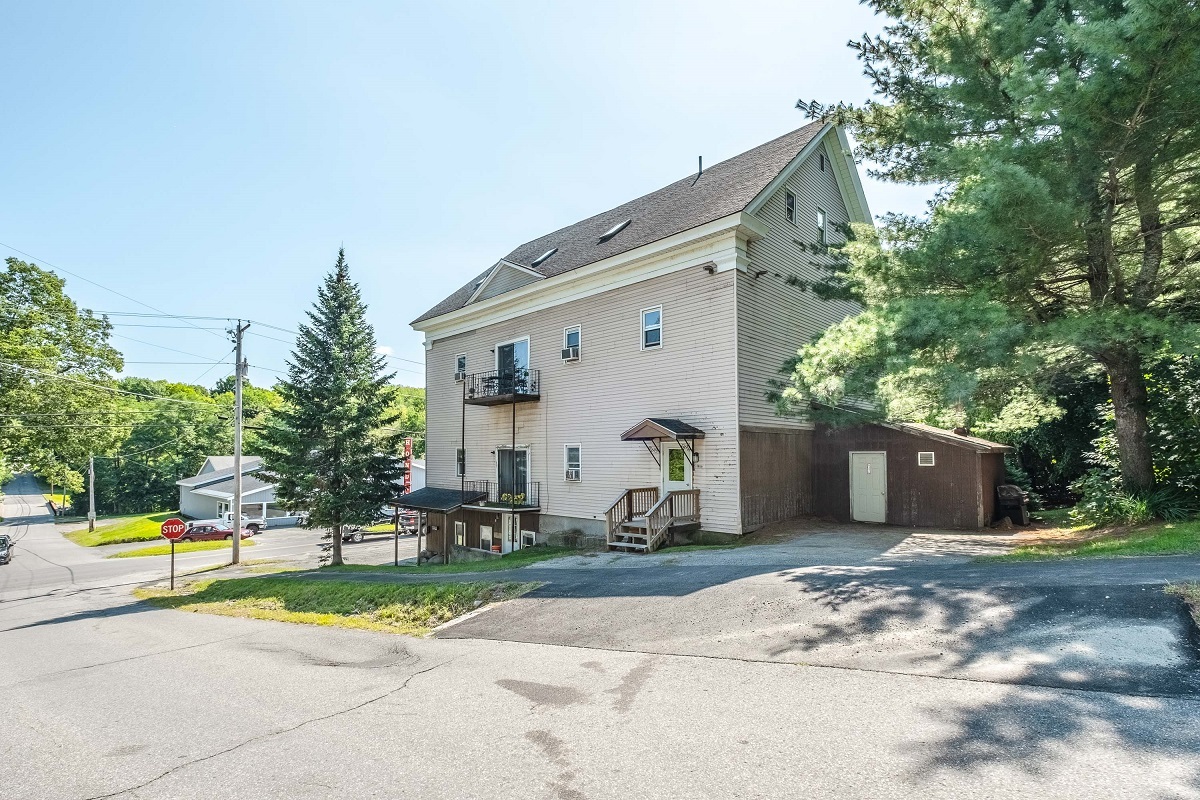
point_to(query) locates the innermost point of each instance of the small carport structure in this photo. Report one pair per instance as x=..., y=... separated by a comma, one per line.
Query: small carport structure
x=906, y=474
x=439, y=507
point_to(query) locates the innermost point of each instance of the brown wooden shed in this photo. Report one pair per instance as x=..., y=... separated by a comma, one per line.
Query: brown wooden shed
x=906, y=474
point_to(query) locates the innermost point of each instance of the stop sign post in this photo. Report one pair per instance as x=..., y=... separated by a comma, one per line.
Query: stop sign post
x=172, y=530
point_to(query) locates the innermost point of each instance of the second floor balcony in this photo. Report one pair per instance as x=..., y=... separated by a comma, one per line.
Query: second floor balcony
x=502, y=386
x=513, y=495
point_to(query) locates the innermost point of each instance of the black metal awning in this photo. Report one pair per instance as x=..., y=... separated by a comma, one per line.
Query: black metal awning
x=441, y=501
x=658, y=428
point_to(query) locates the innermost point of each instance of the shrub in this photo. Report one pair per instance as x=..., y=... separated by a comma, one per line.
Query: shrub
x=1103, y=501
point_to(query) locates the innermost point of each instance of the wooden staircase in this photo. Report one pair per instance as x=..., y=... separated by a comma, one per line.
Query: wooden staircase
x=641, y=522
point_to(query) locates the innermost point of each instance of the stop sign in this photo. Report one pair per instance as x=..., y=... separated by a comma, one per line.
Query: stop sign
x=173, y=528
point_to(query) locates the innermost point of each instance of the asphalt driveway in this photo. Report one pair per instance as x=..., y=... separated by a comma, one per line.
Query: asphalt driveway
x=879, y=600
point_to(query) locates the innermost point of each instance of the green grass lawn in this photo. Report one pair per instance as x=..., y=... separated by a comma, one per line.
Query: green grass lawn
x=57, y=499
x=164, y=549
x=135, y=528
x=521, y=558
x=1164, y=538
x=407, y=608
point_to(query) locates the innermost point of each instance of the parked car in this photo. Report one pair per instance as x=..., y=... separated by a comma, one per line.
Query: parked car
x=255, y=524
x=204, y=532
x=6, y=548
x=409, y=520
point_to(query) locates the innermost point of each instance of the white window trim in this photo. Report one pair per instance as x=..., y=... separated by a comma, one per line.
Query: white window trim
x=567, y=330
x=795, y=206
x=822, y=230
x=460, y=465
x=528, y=351
x=567, y=461
x=932, y=458
x=643, y=327
x=491, y=535
x=528, y=461
x=460, y=532
x=458, y=371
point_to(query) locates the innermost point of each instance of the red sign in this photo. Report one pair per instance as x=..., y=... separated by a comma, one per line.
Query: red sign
x=173, y=528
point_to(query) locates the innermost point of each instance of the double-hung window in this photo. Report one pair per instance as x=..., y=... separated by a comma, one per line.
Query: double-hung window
x=789, y=206
x=651, y=328
x=572, y=339
x=822, y=227
x=460, y=366
x=460, y=534
x=573, y=461
x=460, y=467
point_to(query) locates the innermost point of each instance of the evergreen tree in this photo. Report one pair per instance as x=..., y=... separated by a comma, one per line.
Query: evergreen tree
x=328, y=448
x=1065, y=137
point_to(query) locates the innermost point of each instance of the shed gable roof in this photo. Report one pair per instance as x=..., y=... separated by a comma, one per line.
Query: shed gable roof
x=722, y=189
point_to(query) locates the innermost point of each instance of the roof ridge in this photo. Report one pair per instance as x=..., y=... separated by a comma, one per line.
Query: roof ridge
x=677, y=207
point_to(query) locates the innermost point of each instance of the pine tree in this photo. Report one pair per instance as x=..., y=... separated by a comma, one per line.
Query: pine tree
x=327, y=449
x=1066, y=234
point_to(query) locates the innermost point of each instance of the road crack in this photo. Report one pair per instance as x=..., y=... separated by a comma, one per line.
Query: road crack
x=271, y=734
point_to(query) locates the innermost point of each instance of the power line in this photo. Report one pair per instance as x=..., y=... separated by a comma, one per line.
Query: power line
x=140, y=452
x=104, y=388
x=207, y=360
x=168, y=327
x=94, y=283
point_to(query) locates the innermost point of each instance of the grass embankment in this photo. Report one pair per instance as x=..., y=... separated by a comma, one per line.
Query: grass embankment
x=413, y=609
x=1190, y=594
x=117, y=530
x=521, y=558
x=164, y=549
x=1159, y=539
x=58, y=499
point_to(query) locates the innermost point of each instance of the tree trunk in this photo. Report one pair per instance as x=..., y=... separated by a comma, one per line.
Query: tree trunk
x=335, y=553
x=1128, y=387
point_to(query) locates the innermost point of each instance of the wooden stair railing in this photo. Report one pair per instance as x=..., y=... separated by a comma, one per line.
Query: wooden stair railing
x=632, y=503
x=679, y=506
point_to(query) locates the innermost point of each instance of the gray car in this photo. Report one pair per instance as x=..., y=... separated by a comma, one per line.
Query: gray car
x=6, y=548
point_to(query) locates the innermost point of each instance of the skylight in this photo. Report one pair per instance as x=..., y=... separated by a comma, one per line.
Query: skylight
x=543, y=256
x=614, y=230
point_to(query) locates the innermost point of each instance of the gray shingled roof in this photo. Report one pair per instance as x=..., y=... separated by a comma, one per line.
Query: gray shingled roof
x=250, y=483
x=723, y=189
x=249, y=463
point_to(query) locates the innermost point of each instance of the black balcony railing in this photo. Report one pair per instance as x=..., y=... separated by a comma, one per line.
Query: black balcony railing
x=503, y=386
x=505, y=496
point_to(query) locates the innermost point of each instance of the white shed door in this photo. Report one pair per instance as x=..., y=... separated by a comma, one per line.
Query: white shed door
x=868, y=487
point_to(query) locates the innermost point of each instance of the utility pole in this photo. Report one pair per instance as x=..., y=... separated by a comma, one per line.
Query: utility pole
x=91, y=493
x=239, y=373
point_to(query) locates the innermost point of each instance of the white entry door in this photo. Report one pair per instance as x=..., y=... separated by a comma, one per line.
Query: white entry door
x=510, y=532
x=868, y=487
x=676, y=468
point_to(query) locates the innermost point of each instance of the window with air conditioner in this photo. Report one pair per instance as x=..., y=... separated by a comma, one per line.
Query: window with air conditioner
x=652, y=328
x=925, y=459
x=572, y=340
x=460, y=367
x=573, y=462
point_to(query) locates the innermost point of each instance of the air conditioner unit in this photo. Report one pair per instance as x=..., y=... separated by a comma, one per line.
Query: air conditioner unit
x=573, y=474
x=460, y=376
x=570, y=353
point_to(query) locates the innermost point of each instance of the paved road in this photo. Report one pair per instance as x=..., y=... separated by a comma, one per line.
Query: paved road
x=104, y=697
x=45, y=561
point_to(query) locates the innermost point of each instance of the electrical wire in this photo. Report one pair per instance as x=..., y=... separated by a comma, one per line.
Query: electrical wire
x=94, y=283
x=102, y=387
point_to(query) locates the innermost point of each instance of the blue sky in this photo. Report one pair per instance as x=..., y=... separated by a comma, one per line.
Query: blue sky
x=209, y=158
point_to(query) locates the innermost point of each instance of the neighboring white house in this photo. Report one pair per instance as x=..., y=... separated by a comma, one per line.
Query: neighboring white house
x=416, y=473
x=209, y=493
